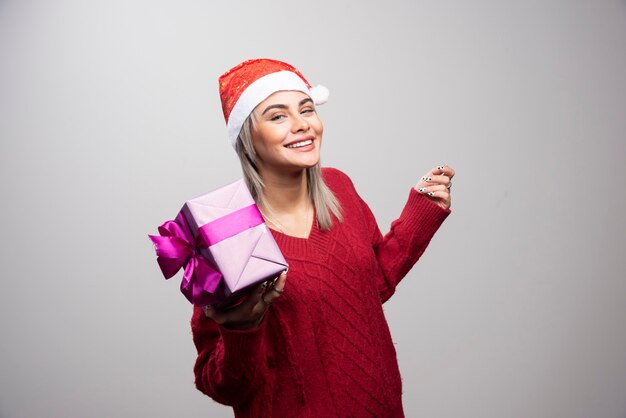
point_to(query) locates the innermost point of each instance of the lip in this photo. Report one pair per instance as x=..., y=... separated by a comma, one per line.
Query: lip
x=304, y=138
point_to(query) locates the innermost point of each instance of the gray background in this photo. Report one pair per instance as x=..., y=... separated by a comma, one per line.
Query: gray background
x=110, y=119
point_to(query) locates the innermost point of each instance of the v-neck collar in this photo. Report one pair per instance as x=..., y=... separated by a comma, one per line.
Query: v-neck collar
x=292, y=245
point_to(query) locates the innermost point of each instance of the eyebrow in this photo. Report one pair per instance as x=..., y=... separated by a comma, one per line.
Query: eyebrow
x=282, y=106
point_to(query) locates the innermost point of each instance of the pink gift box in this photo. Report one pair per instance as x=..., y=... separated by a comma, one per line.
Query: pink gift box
x=223, y=244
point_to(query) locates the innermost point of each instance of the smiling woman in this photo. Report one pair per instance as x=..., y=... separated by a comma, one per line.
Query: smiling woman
x=287, y=120
x=323, y=348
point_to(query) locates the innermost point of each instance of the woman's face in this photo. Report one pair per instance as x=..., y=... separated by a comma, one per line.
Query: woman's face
x=287, y=133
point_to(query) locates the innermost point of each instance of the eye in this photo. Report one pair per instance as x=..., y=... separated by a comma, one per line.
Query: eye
x=277, y=117
x=308, y=110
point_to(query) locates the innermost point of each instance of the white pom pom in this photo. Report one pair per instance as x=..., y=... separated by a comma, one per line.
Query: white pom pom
x=319, y=94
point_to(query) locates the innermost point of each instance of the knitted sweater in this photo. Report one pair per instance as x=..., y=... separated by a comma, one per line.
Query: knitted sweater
x=324, y=347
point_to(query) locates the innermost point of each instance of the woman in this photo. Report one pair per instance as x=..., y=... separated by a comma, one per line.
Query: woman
x=318, y=344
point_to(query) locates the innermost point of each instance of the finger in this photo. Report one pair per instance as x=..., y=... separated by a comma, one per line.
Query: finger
x=444, y=170
x=277, y=290
x=272, y=282
x=431, y=190
x=253, y=297
x=251, y=310
x=262, y=300
x=439, y=195
x=442, y=199
x=257, y=295
x=251, y=307
x=425, y=181
x=440, y=179
x=434, y=179
x=263, y=303
x=279, y=285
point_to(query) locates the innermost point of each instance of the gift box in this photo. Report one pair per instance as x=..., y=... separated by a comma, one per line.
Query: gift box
x=223, y=244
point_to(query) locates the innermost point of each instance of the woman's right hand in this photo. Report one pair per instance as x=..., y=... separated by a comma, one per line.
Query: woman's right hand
x=250, y=313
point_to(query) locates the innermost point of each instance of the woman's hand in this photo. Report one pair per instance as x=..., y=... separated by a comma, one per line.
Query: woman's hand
x=436, y=185
x=250, y=313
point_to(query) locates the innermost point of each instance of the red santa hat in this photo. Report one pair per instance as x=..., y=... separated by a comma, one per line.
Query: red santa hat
x=243, y=87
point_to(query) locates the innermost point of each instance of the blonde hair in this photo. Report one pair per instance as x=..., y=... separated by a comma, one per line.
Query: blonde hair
x=325, y=202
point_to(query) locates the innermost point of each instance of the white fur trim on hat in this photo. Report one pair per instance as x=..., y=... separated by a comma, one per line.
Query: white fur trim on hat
x=319, y=94
x=260, y=90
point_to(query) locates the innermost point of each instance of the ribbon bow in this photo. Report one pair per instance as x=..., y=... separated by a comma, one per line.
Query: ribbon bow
x=176, y=248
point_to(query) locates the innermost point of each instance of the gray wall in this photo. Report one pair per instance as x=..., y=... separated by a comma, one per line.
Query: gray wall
x=110, y=118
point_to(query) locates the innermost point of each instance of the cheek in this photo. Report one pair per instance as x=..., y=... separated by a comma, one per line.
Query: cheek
x=318, y=126
x=266, y=138
x=265, y=144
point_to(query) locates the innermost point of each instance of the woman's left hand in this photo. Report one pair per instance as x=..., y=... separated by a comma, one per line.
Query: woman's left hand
x=436, y=185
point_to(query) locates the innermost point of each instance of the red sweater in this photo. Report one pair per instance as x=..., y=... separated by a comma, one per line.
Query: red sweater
x=324, y=347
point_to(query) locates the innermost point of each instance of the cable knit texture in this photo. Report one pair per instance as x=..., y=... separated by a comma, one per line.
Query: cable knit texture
x=324, y=347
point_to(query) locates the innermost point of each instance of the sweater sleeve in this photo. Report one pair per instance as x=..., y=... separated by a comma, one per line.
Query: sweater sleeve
x=400, y=248
x=229, y=362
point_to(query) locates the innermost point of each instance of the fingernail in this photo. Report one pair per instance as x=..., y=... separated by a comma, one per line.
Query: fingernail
x=422, y=190
x=440, y=167
x=431, y=193
x=425, y=178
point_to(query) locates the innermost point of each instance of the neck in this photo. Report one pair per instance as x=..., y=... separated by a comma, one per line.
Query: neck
x=286, y=192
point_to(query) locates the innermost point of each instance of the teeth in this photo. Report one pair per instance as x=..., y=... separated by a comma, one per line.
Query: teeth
x=301, y=144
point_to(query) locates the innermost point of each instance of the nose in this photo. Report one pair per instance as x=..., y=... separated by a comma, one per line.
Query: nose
x=300, y=124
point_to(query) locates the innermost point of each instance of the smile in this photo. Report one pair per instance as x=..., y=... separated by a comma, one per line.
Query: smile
x=300, y=144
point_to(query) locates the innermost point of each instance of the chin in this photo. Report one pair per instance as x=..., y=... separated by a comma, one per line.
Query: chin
x=311, y=163
x=305, y=161
x=301, y=165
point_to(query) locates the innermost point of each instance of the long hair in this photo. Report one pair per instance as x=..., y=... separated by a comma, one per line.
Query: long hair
x=325, y=202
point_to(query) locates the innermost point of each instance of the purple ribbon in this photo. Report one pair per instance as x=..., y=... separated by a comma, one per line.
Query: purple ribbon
x=176, y=248
x=229, y=225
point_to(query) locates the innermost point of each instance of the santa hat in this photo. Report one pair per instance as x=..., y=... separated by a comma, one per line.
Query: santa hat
x=243, y=87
